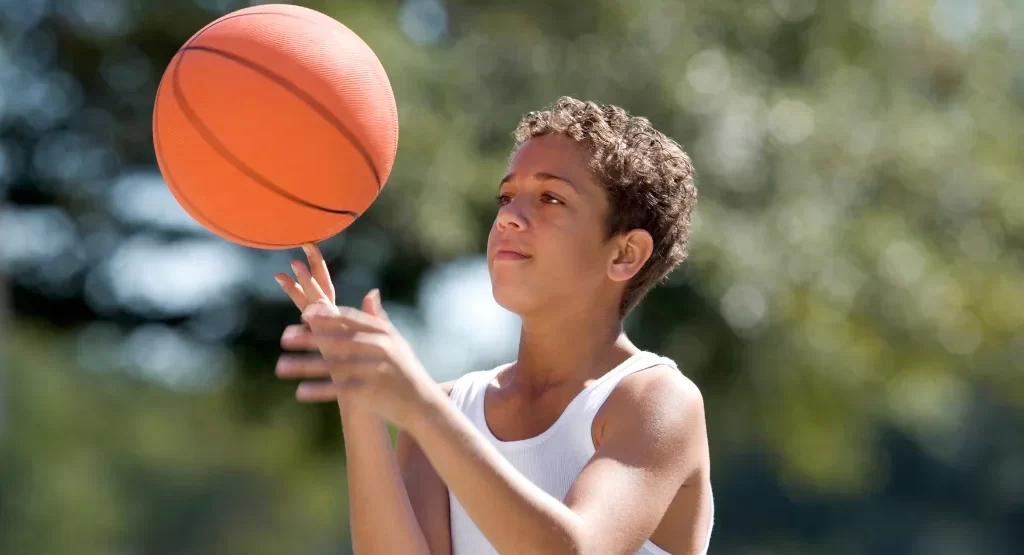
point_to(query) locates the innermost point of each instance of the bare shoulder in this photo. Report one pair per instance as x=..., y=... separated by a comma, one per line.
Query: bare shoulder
x=658, y=403
x=660, y=388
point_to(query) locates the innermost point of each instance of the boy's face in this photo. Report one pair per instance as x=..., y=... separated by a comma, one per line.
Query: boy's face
x=548, y=244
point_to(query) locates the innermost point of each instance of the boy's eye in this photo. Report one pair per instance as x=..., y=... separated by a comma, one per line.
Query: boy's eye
x=545, y=198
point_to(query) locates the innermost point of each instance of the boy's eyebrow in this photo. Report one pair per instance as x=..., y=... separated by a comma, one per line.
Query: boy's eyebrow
x=541, y=176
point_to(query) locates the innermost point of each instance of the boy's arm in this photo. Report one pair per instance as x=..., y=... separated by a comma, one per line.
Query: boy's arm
x=382, y=520
x=398, y=504
x=647, y=452
x=653, y=443
x=381, y=517
x=428, y=494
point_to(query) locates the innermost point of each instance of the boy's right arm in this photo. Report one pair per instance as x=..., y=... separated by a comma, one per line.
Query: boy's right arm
x=398, y=504
x=428, y=494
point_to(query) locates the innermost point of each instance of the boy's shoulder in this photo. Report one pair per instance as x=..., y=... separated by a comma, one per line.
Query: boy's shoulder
x=661, y=384
x=659, y=397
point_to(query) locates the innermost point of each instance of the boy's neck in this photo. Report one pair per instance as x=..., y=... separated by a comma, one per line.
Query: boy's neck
x=570, y=346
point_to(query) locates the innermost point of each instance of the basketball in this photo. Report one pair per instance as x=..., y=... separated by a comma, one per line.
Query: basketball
x=275, y=125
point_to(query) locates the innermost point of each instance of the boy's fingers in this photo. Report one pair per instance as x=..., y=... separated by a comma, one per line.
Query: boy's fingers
x=309, y=285
x=318, y=268
x=317, y=392
x=342, y=318
x=298, y=337
x=321, y=391
x=306, y=366
x=293, y=290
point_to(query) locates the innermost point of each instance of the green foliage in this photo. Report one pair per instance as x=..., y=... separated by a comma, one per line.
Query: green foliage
x=99, y=462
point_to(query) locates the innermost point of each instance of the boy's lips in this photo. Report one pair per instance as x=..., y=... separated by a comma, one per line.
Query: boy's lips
x=510, y=253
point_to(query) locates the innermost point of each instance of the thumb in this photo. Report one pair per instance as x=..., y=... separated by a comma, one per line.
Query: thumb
x=372, y=305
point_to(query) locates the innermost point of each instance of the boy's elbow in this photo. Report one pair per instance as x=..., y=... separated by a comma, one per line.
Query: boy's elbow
x=562, y=540
x=577, y=540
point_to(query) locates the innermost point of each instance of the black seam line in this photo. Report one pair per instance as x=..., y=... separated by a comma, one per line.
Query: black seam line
x=211, y=139
x=302, y=95
x=312, y=102
x=184, y=198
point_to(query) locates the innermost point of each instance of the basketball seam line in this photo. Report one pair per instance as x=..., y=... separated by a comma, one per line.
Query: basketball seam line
x=184, y=198
x=170, y=179
x=291, y=87
x=323, y=111
x=211, y=139
x=302, y=95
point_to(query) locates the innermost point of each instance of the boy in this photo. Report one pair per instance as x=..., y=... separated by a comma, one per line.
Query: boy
x=585, y=444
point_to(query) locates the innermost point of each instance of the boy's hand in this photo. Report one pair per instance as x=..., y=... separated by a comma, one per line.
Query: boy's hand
x=365, y=358
x=311, y=285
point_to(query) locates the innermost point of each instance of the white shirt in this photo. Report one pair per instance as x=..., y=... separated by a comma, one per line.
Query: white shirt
x=551, y=460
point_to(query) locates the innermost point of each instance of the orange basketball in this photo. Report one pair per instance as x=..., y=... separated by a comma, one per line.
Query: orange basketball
x=275, y=125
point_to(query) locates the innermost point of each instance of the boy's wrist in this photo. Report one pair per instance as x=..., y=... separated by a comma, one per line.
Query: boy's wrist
x=432, y=410
x=358, y=415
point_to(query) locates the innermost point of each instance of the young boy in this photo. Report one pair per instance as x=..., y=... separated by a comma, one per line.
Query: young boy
x=585, y=444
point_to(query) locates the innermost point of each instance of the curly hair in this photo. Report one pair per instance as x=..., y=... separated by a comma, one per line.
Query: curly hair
x=648, y=177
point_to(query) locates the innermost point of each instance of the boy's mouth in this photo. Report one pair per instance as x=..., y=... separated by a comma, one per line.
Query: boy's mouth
x=510, y=254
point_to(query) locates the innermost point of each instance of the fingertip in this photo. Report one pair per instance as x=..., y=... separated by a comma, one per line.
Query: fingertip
x=314, y=392
x=379, y=304
x=291, y=332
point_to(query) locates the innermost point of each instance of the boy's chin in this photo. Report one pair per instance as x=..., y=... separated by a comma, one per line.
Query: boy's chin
x=518, y=299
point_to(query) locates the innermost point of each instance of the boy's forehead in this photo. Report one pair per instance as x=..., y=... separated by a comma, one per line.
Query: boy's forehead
x=551, y=154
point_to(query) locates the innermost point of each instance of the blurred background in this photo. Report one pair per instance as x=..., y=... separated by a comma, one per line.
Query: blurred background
x=853, y=308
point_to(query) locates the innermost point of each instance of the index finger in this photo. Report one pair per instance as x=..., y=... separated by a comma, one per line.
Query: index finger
x=343, y=318
x=318, y=268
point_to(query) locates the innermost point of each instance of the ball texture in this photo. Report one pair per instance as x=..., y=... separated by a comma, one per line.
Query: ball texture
x=275, y=125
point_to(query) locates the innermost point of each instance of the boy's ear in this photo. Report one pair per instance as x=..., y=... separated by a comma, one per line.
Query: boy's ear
x=633, y=248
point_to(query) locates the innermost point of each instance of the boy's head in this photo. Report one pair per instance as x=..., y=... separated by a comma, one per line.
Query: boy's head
x=598, y=201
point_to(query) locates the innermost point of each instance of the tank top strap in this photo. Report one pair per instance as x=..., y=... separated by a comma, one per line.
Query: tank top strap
x=469, y=386
x=596, y=395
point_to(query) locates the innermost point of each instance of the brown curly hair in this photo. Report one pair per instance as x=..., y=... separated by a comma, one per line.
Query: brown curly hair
x=648, y=177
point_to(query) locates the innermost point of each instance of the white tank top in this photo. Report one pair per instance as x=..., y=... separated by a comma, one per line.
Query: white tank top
x=553, y=459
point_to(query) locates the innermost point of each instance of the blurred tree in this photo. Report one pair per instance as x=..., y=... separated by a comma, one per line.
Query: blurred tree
x=96, y=461
x=4, y=334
